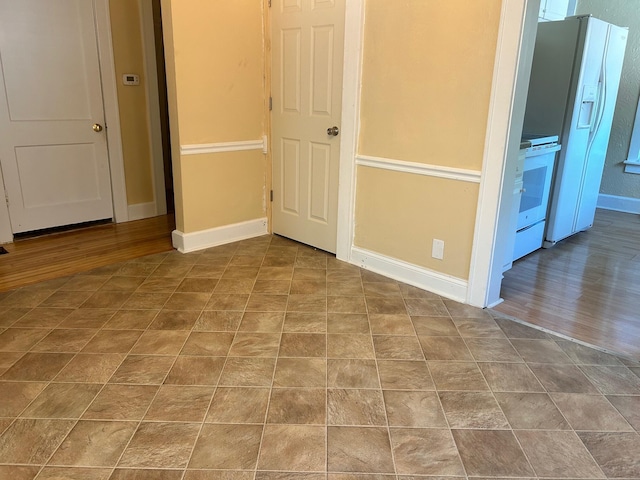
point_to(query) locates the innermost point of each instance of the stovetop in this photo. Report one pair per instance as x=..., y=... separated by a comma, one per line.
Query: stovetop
x=538, y=139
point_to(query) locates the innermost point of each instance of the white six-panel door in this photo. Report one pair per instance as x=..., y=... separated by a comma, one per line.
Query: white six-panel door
x=307, y=55
x=55, y=166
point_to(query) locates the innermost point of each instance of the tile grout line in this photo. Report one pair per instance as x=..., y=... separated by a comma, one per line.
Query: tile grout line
x=49, y=382
x=437, y=391
x=550, y=396
x=266, y=413
x=140, y=422
x=384, y=404
x=491, y=391
x=90, y=403
x=572, y=429
x=75, y=354
x=217, y=386
x=326, y=374
x=464, y=338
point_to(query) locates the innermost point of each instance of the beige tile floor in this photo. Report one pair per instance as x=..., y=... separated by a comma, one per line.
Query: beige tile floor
x=269, y=360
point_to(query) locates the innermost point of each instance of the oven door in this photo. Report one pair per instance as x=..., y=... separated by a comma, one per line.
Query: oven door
x=538, y=172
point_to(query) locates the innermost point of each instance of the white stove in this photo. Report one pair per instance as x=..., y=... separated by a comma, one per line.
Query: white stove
x=539, y=163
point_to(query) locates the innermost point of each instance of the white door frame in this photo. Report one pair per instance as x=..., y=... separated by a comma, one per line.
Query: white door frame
x=350, y=125
x=153, y=105
x=6, y=232
x=486, y=259
x=111, y=111
x=514, y=55
x=112, y=121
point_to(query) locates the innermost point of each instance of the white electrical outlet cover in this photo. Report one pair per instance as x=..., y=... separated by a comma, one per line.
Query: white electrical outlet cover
x=437, y=249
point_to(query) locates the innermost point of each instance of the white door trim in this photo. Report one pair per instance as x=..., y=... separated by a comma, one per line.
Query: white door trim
x=111, y=111
x=6, y=232
x=506, y=112
x=350, y=123
x=112, y=120
x=147, y=28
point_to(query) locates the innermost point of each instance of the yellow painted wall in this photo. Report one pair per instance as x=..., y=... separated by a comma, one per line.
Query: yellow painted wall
x=232, y=184
x=132, y=100
x=427, y=76
x=219, y=70
x=216, y=89
x=398, y=214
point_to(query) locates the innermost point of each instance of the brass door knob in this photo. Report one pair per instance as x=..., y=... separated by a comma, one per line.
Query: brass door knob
x=97, y=127
x=333, y=131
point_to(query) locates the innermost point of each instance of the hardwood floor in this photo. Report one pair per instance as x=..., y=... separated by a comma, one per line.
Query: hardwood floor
x=61, y=254
x=586, y=287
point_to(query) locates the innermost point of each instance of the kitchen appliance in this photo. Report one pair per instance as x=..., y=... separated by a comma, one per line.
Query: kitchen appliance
x=539, y=162
x=573, y=88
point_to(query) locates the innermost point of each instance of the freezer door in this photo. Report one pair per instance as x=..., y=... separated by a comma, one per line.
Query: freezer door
x=557, y=44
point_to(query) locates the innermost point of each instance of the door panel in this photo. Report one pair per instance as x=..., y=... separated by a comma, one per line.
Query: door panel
x=319, y=182
x=308, y=42
x=290, y=175
x=44, y=180
x=290, y=67
x=55, y=166
x=322, y=52
x=38, y=39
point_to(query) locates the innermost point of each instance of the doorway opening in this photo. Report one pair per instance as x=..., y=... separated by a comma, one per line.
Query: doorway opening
x=581, y=286
x=164, y=106
x=49, y=174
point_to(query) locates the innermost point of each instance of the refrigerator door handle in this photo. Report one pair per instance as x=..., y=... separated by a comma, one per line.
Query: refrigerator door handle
x=602, y=94
x=599, y=107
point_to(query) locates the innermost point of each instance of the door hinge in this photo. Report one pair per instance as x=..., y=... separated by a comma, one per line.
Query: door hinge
x=270, y=103
x=271, y=195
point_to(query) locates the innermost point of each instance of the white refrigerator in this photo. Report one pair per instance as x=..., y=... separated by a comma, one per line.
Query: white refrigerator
x=572, y=92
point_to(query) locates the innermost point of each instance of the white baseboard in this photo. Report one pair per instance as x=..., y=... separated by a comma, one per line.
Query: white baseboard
x=191, y=242
x=138, y=211
x=619, y=204
x=441, y=284
x=496, y=303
